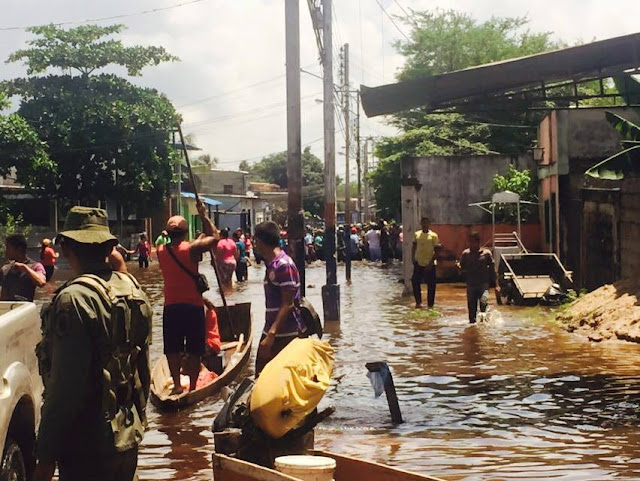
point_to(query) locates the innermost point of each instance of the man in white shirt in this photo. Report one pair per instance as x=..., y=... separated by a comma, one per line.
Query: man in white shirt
x=373, y=240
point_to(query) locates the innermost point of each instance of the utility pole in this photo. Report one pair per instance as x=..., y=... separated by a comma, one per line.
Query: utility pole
x=366, y=182
x=358, y=147
x=347, y=148
x=295, y=215
x=330, y=291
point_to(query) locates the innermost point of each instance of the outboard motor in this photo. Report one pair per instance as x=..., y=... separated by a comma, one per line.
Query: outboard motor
x=276, y=415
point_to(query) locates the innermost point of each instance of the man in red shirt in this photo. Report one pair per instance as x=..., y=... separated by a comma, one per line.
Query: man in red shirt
x=144, y=251
x=183, y=318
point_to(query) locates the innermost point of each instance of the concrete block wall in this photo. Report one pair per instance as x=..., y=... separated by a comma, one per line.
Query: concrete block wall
x=630, y=228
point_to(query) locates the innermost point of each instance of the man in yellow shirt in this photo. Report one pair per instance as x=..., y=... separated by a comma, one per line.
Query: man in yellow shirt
x=424, y=252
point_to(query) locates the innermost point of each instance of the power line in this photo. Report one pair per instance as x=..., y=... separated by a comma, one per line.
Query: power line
x=402, y=8
x=112, y=17
x=229, y=92
x=393, y=21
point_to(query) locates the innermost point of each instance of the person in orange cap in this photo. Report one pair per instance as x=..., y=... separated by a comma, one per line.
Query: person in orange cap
x=183, y=319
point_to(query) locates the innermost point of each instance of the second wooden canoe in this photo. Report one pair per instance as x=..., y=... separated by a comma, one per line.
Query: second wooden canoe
x=347, y=469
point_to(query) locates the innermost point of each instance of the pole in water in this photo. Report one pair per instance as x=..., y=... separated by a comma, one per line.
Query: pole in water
x=389, y=388
x=330, y=291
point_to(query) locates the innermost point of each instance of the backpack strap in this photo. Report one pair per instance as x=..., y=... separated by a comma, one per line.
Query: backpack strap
x=182, y=266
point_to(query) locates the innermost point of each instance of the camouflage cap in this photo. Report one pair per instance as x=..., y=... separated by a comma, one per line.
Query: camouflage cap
x=88, y=225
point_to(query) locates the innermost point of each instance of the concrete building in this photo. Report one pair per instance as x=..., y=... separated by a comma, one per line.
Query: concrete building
x=241, y=203
x=441, y=188
x=591, y=224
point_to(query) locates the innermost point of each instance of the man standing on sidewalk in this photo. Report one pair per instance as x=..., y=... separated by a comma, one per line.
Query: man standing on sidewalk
x=281, y=289
x=425, y=247
x=479, y=270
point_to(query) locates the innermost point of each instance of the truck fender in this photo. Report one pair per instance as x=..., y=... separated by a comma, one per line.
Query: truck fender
x=15, y=385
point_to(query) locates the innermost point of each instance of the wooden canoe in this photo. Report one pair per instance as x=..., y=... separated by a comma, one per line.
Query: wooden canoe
x=347, y=469
x=236, y=336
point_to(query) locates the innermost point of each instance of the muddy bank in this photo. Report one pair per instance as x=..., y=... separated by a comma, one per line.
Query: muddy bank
x=611, y=312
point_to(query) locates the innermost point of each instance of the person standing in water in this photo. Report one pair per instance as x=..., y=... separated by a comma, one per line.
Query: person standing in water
x=424, y=252
x=48, y=258
x=183, y=319
x=478, y=267
x=281, y=289
x=144, y=251
x=226, y=258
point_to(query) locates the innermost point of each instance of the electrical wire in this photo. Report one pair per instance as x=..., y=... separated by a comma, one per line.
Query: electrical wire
x=100, y=19
x=393, y=21
x=402, y=8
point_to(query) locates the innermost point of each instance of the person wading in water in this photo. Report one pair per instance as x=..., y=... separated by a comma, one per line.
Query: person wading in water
x=281, y=289
x=477, y=265
x=183, y=320
x=424, y=252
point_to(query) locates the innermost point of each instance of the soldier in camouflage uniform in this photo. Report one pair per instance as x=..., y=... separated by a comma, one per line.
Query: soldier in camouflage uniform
x=94, y=361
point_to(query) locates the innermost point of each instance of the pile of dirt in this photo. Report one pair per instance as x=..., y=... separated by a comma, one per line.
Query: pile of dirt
x=611, y=312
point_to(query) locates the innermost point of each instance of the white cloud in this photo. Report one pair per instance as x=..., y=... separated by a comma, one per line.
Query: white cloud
x=226, y=46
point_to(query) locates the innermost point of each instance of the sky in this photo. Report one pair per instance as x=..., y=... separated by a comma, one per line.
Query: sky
x=229, y=85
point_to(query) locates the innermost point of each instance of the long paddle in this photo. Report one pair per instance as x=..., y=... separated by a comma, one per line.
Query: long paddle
x=213, y=258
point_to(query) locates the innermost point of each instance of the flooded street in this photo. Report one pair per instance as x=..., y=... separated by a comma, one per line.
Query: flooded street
x=514, y=398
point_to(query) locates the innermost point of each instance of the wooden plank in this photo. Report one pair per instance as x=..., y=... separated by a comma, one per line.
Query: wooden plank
x=630, y=185
x=353, y=469
x=231, y=469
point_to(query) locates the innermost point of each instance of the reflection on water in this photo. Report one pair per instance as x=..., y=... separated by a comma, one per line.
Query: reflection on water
x=515, y=397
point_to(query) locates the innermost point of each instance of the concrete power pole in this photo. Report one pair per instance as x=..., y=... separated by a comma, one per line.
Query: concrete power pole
x=366, y=181
x=330, y=291
x=347, y=148
x=295, y=214
x=359, y=148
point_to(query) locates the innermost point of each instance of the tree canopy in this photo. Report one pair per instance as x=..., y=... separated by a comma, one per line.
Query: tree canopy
x=107, y=138
x=443, y=41
x=273, y=169
x=21, y=146
x=85, y=49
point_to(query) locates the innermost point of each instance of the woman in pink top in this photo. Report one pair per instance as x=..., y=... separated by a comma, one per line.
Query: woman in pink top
x=226, y=257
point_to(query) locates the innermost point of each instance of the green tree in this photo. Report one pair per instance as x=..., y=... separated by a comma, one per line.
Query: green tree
x=108, y=138
x=273, y=169
x=21, y=149
x=519, y=182
x=443, y=41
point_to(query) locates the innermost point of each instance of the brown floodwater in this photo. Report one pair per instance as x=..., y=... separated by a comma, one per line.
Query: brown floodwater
x=513, y=398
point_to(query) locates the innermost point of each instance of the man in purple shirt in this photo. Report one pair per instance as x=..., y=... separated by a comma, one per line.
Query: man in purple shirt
x=20, y=277
x=281, y=290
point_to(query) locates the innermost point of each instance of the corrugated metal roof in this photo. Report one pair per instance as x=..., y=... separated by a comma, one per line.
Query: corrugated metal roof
x=597, y=59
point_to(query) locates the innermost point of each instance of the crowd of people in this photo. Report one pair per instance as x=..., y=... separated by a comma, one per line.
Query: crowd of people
x=97, y=380
x=375, y=241
x=96, y=330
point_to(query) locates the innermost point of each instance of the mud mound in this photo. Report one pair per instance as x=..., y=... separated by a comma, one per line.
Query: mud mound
x=611, y=312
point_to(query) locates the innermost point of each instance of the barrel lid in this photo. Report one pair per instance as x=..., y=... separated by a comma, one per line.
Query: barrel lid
x=305, y=462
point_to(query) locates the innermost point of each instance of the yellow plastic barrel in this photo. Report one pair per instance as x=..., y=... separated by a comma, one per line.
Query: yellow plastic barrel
x=307, y=468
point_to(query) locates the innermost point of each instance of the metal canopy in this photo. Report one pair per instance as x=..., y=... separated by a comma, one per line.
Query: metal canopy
x=206, y=200
x=522, y=82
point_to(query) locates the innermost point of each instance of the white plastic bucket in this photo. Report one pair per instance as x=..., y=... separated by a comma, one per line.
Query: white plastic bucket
x=307, y=468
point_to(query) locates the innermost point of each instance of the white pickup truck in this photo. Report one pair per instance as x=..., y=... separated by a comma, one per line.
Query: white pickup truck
x=20, y=389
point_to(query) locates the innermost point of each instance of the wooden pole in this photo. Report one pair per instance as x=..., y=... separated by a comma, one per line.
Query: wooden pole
x=295, y=214
x=195, y=192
